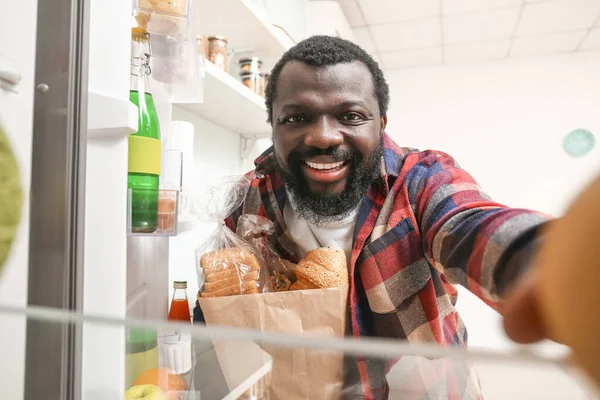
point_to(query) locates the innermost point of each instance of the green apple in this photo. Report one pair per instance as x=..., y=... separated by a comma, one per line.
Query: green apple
x=145, y=392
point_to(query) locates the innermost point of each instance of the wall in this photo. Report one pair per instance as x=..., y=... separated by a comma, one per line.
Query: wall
x=504, y=122
x=16, y=115
x=216, y=155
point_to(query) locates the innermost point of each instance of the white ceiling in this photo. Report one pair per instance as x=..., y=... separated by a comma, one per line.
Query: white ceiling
x=413, y=33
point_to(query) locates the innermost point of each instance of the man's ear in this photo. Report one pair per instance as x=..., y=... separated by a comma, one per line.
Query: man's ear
x=383, y=123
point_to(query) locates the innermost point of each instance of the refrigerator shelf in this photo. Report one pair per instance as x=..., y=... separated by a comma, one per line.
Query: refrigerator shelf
x=224, y=93
x=168, y=211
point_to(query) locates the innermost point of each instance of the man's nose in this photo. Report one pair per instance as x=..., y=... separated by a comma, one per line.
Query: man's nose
x=323, y=134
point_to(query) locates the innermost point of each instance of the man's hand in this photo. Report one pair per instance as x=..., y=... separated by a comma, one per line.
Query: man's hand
x=523, y=321
x=560, y=298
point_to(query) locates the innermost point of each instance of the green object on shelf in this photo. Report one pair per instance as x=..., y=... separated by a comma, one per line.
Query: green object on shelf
x=11, y=197
x=144, y=145
x=141, y=354
x=579, y=142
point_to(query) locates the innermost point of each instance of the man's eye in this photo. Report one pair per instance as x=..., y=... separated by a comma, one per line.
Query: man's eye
x=294, y=119
x=351, y=117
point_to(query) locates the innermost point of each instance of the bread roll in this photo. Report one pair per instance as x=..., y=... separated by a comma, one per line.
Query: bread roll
x=322, y=268
x=300, y=285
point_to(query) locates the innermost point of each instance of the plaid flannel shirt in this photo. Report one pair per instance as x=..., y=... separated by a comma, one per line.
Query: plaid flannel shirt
x=423, y=226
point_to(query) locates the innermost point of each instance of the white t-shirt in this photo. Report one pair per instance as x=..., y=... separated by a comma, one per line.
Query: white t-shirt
x=309, y=236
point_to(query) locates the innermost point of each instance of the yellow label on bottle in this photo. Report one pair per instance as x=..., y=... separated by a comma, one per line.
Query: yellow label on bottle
x=144, y=155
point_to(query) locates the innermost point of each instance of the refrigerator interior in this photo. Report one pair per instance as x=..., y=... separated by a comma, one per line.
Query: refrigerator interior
x=130, y=277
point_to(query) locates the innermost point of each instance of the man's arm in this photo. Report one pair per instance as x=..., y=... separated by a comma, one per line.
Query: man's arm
x=475, y=242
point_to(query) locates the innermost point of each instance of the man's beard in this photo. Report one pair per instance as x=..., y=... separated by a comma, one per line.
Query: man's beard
x=324, y=207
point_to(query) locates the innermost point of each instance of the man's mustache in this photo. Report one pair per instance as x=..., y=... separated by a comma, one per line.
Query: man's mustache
x=337, y=153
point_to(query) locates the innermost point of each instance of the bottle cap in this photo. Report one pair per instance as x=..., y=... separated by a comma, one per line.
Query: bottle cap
x=180, y=285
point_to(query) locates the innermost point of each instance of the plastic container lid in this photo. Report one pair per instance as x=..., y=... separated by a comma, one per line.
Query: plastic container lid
x=217, y=37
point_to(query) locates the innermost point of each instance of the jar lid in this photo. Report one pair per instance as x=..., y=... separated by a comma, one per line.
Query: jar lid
x=139, y=33
x=250, y=74
x=180, y=285
x=217, y=37
x=250, y=60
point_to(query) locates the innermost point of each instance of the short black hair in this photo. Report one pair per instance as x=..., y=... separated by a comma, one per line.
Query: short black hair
x=320, y=51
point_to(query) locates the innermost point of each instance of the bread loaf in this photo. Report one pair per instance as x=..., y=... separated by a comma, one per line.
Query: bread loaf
x=223, y=259
x=322, y=268
x=234, y=280
x=230, y=271
x=243, y=287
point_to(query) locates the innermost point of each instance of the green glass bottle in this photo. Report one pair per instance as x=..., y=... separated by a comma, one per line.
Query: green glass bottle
x=144, y=145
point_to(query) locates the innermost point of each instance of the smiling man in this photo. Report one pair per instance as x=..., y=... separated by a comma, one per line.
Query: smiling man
x=412, y=223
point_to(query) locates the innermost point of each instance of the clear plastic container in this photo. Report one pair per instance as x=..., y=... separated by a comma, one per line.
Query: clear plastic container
x=168, y=211
x=167, y=17
x=174, y=52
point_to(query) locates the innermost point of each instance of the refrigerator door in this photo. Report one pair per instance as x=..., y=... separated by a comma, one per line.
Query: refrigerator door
x=17, y=68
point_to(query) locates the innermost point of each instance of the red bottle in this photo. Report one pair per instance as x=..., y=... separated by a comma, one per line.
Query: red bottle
x=180, y=309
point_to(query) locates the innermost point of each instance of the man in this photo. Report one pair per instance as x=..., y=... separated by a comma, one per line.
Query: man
x=412, y=223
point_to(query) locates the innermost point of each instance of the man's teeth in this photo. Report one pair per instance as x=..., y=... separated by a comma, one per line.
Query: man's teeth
x=324, y=166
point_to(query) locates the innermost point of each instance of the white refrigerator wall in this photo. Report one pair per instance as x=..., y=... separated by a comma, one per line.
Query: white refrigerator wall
x=16, y=116
x=504, y=122
x=110, y=120
x=216, y=155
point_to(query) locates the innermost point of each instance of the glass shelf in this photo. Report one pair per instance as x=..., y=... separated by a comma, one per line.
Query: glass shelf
x=232, y=363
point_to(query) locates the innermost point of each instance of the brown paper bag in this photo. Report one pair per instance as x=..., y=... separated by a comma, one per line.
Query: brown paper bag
x=297, y=373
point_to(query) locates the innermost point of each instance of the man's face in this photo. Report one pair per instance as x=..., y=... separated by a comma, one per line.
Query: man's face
x=327, y=132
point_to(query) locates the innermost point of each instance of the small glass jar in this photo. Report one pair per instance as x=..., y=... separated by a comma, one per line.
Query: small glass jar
x=265, y=82
x=167, y=211
x=202, y=48
x=252, y=81
x=217, y=51
x=252, y=64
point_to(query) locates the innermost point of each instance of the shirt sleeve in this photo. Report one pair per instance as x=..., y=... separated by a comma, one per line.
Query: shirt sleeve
x=472, y=240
